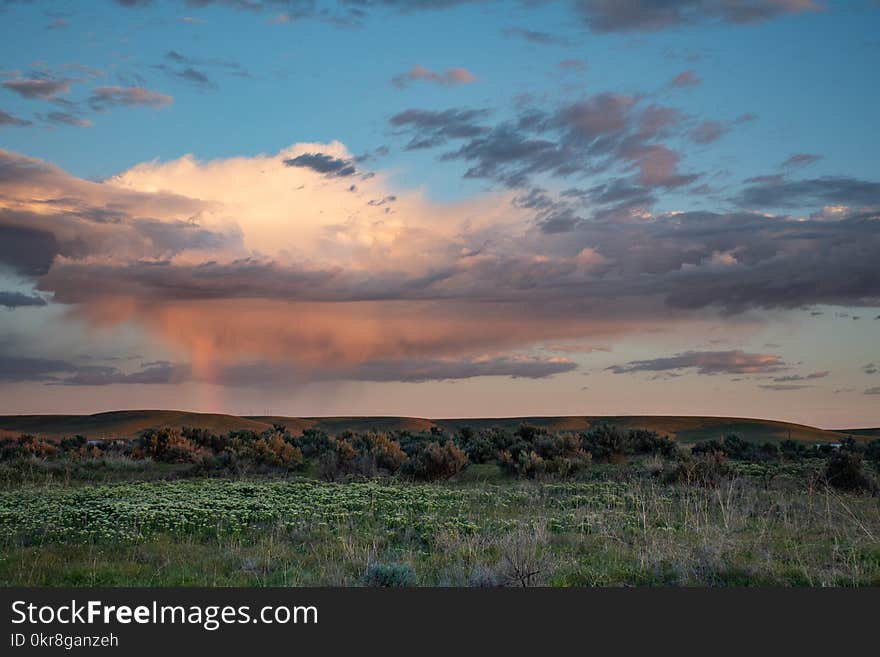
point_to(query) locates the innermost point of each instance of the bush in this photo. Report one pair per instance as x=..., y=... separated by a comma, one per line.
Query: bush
x=273, y=449
x=479, y=446
x=701, y=470
x=314, y=443
x=522, y=463
x=846, y=471
x=436, y=462
x=390, y=575
x=378, y=451
x=27, y=446
x=483, y=578
x=167, y=444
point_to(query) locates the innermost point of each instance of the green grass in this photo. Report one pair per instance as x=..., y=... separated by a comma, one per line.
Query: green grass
x=616, y=527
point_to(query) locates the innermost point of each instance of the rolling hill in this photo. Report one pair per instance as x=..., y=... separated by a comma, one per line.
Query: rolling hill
x=686, y=429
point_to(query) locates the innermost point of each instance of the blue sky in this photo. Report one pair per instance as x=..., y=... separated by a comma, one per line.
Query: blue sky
x=585, y=184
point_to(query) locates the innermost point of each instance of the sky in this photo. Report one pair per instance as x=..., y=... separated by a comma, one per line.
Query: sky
x=441, y=208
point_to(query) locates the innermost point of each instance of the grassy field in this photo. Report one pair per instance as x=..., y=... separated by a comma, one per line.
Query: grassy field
x=615, y=525
x=128, y=424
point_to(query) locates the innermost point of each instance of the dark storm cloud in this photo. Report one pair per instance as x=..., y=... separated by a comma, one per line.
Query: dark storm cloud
x=16, y=369
x=151, y=374
x=778, y=262
x=323, y=163
x=410, y=370
x=27, y=251
x=9, y=119
x=19, y=300
x=19, y=369
x=778, y=192
x=590, y=252
x=416, y=370
x=262, y=373
x=707, y=362
x=652, y=15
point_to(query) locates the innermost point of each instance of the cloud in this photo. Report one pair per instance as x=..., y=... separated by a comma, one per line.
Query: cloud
x=871, y=368
x=15, y=369
x=262, y=373
x=417, y=370
x=19, y=300
x=685, y=79
x=341, y=277
x=537, y=37
x=190, y=69
x=573, y=65
x=708, y=131
x=38, y=88
x=27, y=251
x=799, y=377
x=707, y=362
x=323, y=163
x=433, y=128
x=782, y=386
x=18, y=369
x=65, y=118
x=800, y=160
x=9, y=119
x=108, y=97
x=191, y=75
x=150, y=374
x=778, y=192
x=651, y=15
x=450, y=77
x=597, y=134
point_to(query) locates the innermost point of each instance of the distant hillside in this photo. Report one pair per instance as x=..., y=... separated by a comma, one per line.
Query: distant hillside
x=868, y=433
x=122, y=424
x=127, y=424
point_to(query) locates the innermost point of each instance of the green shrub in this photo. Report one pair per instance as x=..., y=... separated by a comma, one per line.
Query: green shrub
x=377, y=451
x=436, y=462
x=846, y=471
x=522, y=463
x=390, y=575
x=483, y=578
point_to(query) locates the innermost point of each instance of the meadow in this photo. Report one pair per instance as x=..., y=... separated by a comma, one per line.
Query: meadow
x=493, y=507
x=621, y=528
